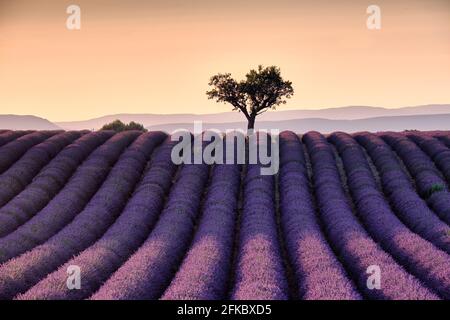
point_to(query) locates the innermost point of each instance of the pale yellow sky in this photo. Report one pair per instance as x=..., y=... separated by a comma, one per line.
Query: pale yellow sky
x=157, y=56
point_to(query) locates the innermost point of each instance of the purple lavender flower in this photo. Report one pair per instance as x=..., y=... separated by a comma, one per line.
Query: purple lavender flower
x=348, y=237
x=11, y=152
x=69, y=201
x=94, y=220
x=409, y=206
x=147, y=273
x=259, y=271
x=417, y=255
x=205, y=269
x=7, y=136
x=429, y=181
x=124, y=237
x=50, y=180
x=22, y=172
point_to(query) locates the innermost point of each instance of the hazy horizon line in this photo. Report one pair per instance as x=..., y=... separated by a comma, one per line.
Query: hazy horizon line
x=227, y=111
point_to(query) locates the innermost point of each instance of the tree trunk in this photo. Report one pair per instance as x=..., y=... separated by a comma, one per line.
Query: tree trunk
x=251, y=122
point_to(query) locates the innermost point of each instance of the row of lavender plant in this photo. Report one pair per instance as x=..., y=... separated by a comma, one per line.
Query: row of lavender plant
x=444, y=138
x=70, y=201
x=430, y=184
x=440, y=154
x=21, y=273
x=435, y=149
x=130, y=230
x=348, y=237
x=205, y=270
x=411, y=208
x=259, y=271
x=8, y=136
x=20, y=174
x=48, y=182
x=318, y=273
x=12, y=151
x=417, y=255
x=427, y=177
x=147, y=273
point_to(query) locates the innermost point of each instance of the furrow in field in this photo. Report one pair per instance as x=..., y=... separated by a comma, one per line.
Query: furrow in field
x=21, y=273
x=444, y=138
x=49, y=181
x=205, y=269
x=318, y=273
x=128, y=232
x=430, y=183
x=148, y=272
x=260, y=273
x=436, y=150
x=8, y=136
x=417, y=255
x=14, y=150
x=408, y=205
x=22, y=172
x=349, y=239
x=69, y=202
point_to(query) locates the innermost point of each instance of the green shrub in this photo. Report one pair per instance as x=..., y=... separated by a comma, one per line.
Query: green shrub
x=119, y=126
x=435, y=188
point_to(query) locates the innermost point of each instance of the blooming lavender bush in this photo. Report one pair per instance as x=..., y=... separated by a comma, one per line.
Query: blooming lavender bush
x=259, y=271
x=147, y=273
x=127, y=233
x=444, y=138
x=348, y=237
x=318, y=273
x=12, y=151
x=70, y=201
x=342, y=212
x=94, y=219
x=205, y=270
x=22, y=172
x=418, y=163
x=410, y=208
x=50, y=180
x=436, y=150
x=7, y=136
x=429, y=181
x=417, y=255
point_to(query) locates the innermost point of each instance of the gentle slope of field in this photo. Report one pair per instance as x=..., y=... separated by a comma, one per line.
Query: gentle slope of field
x=320, y=117
x=140, y=227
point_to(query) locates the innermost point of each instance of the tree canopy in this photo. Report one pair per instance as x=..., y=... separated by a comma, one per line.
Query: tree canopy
x=119, y=126
x=262, y=90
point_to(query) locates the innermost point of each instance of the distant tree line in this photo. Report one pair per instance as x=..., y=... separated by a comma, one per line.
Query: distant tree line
x=119, y=126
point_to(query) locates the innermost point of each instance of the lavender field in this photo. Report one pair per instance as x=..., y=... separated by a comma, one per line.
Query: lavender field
x=140, y=227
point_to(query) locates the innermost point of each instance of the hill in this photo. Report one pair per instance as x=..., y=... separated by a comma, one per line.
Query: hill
x=398, y=123
x=341, y=113
x=115, y=211
x=16, y=122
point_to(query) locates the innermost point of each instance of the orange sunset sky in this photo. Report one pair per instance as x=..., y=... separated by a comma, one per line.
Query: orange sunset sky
x=154, y=56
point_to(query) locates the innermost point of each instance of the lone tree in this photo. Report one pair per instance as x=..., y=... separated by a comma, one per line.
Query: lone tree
x=263, y=89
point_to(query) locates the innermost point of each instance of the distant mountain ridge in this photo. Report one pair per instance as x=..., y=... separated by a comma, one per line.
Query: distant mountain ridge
x=16, y=122
x=341, y=113
x=398, y=123
x=350, y=119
